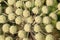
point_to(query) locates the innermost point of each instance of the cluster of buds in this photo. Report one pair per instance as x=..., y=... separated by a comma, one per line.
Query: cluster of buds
x=29, y=19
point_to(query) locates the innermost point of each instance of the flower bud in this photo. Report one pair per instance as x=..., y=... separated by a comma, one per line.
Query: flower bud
x=2, y=37
x=45, y=9
x=35, y=10
x=11, y=16
x=19, y=4
x=25, y=38
x=26, y=13
x=21, y=34
x=38, y=19
x=5, y=28
x=53, y=16
x=49, y=28
x=28, y=4
x=8, y=38
x=13, y=29
x=37, y=28
x=2, y=19
x=49, y=37
x=58, y=25
x=11, y=2
x=9, y=10
x=46, y=20
x=18, y=20
x=19, y=12
x=29, y=19
x=27, y=27
x=49, y=2
x=58, y=6
x=38, y=3
x=39, y=36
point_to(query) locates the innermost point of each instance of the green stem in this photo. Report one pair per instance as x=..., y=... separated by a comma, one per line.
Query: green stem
x=5, y=2
x=55, y=11
x=27, y=34
x=41, y=14
x=0, y=9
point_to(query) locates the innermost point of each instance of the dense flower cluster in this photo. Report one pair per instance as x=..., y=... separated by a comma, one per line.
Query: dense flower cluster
x=29, y=20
